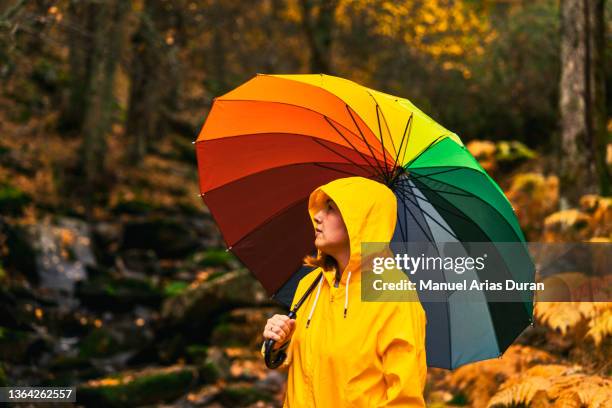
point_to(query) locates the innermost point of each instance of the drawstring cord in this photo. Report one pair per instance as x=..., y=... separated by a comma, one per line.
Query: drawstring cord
x=315, y=301
x=348, y=278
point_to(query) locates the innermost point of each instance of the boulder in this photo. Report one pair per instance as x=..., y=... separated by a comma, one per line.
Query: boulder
x=198, y=306
x=137, y=388
x=169, y=237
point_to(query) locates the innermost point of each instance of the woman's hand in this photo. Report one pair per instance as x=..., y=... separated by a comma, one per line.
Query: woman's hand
x=279, y=328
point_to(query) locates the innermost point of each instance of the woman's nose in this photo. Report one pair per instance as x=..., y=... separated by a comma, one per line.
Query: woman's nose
x=317, y=217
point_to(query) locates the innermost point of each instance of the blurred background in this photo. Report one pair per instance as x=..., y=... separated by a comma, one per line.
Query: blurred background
x=113, y=276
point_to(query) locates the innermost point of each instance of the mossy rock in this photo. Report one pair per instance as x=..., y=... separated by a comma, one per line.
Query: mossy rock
x=133, y=207
x=119, y=294
x=131, y=389
x=214, y=257
x=212, y=362
x=168, y=237
x=175, y=288
x=99, y=342
x=21, y=251
x=17, y=346
x=197, y=353
x=242, y=395
x=196, y=308
x=3, y=377
x=13, y=200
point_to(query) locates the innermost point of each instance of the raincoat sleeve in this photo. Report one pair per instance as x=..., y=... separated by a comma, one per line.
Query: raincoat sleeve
x=301, y=288
x=401, y=347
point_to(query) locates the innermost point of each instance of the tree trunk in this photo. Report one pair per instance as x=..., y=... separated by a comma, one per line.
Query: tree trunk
x=105, y=52
x=318, y=18
x=582, y=100
x=79, y=60
x=154, y=79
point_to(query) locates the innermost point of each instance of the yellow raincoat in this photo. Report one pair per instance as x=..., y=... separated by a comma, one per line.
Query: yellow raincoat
x=349, y=353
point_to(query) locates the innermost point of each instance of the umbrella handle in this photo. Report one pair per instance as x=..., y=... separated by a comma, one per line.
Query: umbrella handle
x=275, y=359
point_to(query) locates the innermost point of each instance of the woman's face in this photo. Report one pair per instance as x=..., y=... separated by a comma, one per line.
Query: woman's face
x=331, y=235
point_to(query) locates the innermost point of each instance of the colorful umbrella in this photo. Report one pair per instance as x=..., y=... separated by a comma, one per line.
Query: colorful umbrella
x=266, y=145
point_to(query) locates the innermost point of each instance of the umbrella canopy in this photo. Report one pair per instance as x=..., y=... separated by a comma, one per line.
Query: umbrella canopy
x=266, y=145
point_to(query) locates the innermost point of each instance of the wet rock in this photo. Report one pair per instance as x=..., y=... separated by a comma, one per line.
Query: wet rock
x=99, y=342
x=201, y=397
x=273, y=382
x=213, y=258
x=119, y=294
x=212, y=364
x=137, y=388
x=242, y=327
x=197, y=307
x=106, y=237
x=140, y=260
x=242, y=395
x=19, y=346
x=168, y=237
x=21, y=254
x=12, y=200
x=215, y=366
x=3, y=378
x=64, y=252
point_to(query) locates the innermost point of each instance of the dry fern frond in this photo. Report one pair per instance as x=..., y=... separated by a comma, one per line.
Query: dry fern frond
x=564, y=316
x=480, y=380
x=590, y=392
x=600, y=327
x=531, y=391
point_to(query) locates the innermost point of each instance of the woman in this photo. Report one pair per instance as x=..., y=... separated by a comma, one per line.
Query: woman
x=341, y=351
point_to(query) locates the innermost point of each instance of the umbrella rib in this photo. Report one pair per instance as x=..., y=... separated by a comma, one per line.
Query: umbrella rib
x=424, y=150
x=405, y=196
x=462, y=215
x=382, y=143
x=438, y=191
x=410, y=119
x=402, y=193
x=432, y=174
x=409, y=122
x=331, y=121
x=338, y=170
x=387, y=126
x=480, y=199
x=402, y=141
x=287, y=104
x=339, y=154
x=263, y=171
x=402, y=230
x=384, y=118
x=347, y=141
x=264, y=222
x=364, y=139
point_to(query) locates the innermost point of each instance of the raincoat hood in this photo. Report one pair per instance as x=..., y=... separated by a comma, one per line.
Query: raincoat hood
x=369, y=211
